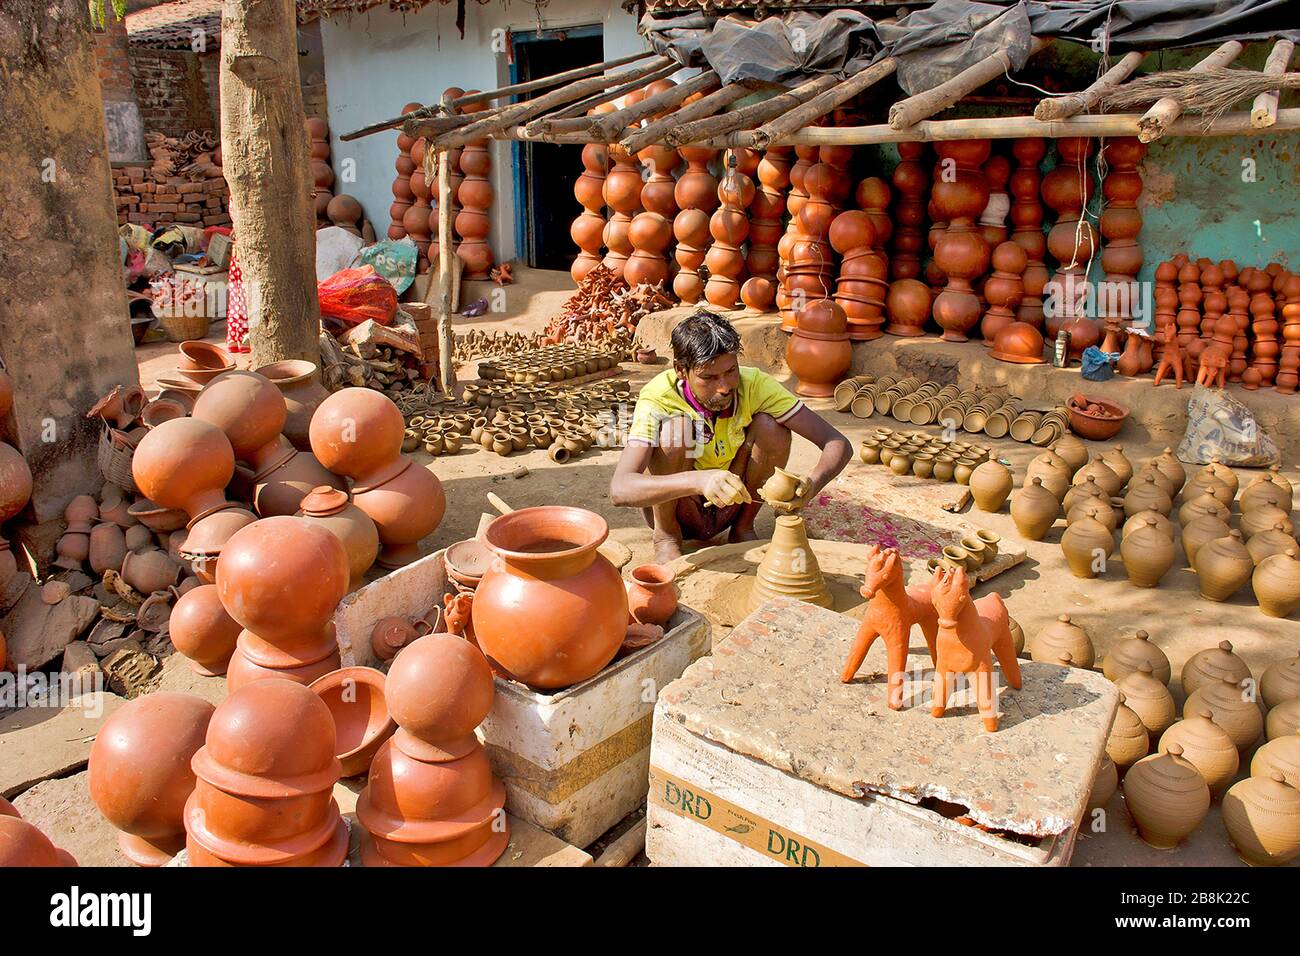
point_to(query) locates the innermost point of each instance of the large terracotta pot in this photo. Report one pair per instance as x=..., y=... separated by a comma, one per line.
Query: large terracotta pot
x=139, y=772
x=23, y=845
x=252, y=412
x=355, y=698
x=405, y=509
x=1262, y=815
x=301, y=387
x=908, y=306
x=1209, y=749
x=207, y=536
x=331, y=509
x=1167, y=797
x=201, y=629
x=553, y=611
x=184, y=464
x=651, y=594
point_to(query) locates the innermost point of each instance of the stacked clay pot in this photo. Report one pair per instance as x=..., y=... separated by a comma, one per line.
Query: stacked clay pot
x=358, y=705
x=552, y=611
x=765, y=215
x=431, y=798
x=861, y=289
x=696, y=195
x=1027, y=217
x=910, y=180
x=961, y=252
x=139, y=772
x=729, y=226
x=252, y=412
x=819, y=352
x=623, y=195
x=1003, y=291
x=201, y=629
x=475, y=196
x=651, y=231
x=1067, y=189
x=402, y=194
x=588, y=229
x=281, y=579
x=358, y=432
x=333, y=510
x=264, y=782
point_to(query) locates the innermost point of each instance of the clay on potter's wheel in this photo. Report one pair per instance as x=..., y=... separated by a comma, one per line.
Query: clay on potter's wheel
x=789, y=568
x=139, y=772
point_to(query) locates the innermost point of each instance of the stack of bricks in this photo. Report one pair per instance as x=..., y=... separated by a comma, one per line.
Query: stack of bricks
x=427, y=325
x=149, y=198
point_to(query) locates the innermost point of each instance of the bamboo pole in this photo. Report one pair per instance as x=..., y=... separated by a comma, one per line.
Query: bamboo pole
x=923, y=105
x=706, y=106
x=509, y=116
x=427, y=127
x=1263, y=112
x=446, y=256
x=1156, y=121
x=680, y=134
x=568, y=76
x=1072, y=104
x=578, y=110
x=610, y=126
x=820, y=105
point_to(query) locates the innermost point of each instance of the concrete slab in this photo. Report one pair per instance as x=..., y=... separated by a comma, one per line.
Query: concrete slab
x=771, y=691
x=38, y=743
x=179, y=678
x=64, y=812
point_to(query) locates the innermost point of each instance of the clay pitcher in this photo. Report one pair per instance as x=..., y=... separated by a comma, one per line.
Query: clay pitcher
x=1166, y=797
x=1262, y=816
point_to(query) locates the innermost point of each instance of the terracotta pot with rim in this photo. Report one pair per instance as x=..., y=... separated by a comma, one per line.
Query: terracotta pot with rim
x=651, y=594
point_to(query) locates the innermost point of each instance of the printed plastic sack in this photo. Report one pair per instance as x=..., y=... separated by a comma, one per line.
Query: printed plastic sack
x=1219, y=426
x=1098, y=366
x=354, y=295
x=394, y=259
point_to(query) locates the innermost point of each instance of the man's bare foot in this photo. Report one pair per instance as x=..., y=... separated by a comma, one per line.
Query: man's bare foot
x=739, y=534
x=667, y=549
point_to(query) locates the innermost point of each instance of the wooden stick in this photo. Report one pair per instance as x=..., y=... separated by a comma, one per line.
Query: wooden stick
x=1263, y=112
x=427, y=127
x=519, y=112
x=706, y=106
x=1072, y=104
x=681, y=134
x=446, y=339
x=556, y=78
x=580, y=108
x=424, y=112
x=820, y=105
x=912, y=110
x=625, y=849
x=1157, y=120
x=610, y=126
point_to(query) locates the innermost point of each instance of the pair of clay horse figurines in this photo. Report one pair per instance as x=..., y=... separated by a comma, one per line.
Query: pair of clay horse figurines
x=963, y=634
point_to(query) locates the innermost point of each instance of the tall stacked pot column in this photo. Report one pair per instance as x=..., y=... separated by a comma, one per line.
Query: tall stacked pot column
x=623, y=195
x=588, y=230
x=765, y=214
x=960, y=194
x=696, y=195
x=729, y=226
x=475, y=195
x=1072, y=241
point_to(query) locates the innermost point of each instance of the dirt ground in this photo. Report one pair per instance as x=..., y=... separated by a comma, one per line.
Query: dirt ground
x=1036, y=591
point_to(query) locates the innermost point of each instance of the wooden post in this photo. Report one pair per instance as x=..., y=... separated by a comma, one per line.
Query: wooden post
x=446, y=255
x=1263, y=112
x=1156, y=121
x=609, y=126
x=912, y=110
x=1072, y=104
x=653, y=132
x=680, y=134
x=268, y=167
x=555, y=79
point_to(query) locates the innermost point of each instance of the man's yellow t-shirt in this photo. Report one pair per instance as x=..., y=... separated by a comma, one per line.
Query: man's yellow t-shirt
x=718, y=439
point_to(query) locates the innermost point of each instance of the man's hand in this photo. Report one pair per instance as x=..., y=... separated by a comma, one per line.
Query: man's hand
x=800, y=499
x=722, y=488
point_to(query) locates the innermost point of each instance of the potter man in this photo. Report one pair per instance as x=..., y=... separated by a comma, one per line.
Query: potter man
x=706, y=434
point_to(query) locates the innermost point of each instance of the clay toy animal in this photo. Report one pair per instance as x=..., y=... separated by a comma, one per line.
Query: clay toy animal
x=971, y=633
x=1171, y=360
x=891, y=611
x=1213, y=369
x=456, y=616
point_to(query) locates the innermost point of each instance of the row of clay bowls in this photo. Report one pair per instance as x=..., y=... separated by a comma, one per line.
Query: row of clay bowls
x=922, y=455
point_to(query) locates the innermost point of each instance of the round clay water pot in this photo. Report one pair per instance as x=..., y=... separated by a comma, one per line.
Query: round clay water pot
x=1148, y=555
x=1281, y=754
x=282, y=577
x=551, y=576
x=1126, y=656
x=1222, y=567
x=439, y=688
x=303, y=392
x=1054, y=472
x=1034, y=509
x=250, y=410
x=355, y=698
x=23, y=845
x=1150, y=699
x=139, y=772
x=1234, y=708
x=357, y=432
x=1162, y=524
x=1213, y=664
x=1167, y=797
x=331, y=509
x=1262, y=816
x=991, y=483
x=1276, y=582
x=1280, y=682
x=1128, y=741
x=405, y=509
x=184, y=464
x=1087, y=544
x=1063, y=637
x=1207, y=746
x=1072, y=451
x=201, y=629
x=107, y=548
x=651, y=594
x=908, y=305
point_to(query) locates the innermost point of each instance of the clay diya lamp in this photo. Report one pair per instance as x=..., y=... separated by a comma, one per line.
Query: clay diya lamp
x=201, y=629
x=281, y=579
x=332, y=509
x=552, y=611
x=355, y=698
x=431, y=798
x=23, y=845
x=139, y=772
x=651, y=594
x=358, y=432
x=263, y=793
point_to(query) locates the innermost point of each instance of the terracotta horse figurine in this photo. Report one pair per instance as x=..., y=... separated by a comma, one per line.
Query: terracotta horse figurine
x=971, y=634
x=891, y=611
x=1171, y=359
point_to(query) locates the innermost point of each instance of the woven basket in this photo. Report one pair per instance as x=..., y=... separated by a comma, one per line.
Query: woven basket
x=184, y=328
x=115, y=462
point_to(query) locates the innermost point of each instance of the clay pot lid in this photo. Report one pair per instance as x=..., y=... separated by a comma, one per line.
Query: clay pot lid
x=439, y=689
x=1019, y=343
x=355, y=698
x=209, y=534
x=324, y=500
x=470, y=558
x=270, y=738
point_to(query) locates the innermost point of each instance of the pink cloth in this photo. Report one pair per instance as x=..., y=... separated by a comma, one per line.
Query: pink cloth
x=236, y=309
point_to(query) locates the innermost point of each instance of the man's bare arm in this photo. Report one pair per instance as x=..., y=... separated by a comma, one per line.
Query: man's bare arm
x=634, y=487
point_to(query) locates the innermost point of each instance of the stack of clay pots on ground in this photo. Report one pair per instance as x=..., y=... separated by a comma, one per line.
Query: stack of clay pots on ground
x=562, y=420
x=552, y=363
x=923, y=455
x=972, y=410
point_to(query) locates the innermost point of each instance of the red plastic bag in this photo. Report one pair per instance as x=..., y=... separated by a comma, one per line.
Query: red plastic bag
x=354, y=295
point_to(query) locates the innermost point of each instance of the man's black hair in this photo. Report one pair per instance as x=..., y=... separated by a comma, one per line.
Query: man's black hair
x=702, y=337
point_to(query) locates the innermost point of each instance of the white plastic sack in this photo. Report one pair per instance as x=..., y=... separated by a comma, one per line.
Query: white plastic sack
x=335, y=250
x=1219, y=426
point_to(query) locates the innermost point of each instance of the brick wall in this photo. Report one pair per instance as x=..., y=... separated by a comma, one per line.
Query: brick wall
x=146, y=197
x=172, y=91
x=114, y=62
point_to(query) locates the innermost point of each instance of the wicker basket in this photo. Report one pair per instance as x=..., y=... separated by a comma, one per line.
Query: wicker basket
x=115, y=462
x=184, y=328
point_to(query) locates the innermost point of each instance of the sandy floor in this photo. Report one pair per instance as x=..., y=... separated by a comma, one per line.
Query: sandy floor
x=1036, y=591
